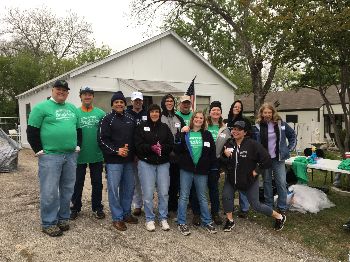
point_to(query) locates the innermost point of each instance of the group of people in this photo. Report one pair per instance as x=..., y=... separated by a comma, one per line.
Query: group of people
x=178, y=154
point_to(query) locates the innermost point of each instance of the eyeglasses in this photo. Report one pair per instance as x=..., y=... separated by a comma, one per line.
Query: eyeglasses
x=169, y=101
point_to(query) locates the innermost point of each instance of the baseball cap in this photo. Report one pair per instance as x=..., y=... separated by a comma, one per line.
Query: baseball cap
x=86, y=89
x=240, y=125
x=185, y=98
x=61, y=83
x=136, y=95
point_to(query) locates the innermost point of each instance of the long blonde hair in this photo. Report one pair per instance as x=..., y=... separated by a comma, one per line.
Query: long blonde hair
x=275, y=115
x=204, y=125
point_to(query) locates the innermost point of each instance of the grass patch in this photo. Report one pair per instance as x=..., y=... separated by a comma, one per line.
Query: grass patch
x=323, y=231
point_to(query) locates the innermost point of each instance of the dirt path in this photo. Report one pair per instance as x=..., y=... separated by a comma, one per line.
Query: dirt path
x=95, y=240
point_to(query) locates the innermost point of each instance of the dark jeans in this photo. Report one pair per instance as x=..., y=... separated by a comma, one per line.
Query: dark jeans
x=213, y=186
x=174, y=172
x=96, y=184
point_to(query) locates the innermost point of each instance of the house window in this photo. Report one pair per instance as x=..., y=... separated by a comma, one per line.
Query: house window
x=202, y=103
x=28, y=109
x=292, y=119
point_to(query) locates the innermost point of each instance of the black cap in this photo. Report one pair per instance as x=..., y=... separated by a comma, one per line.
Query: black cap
x=118, y=96
x=215, y=104
x=86, y=89
x=61, y=83
x=240, y=124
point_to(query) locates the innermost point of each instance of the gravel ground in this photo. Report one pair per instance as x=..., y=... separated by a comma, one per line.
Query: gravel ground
x=90, y=240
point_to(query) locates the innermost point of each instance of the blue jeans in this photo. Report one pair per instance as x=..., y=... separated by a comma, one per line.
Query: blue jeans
x=96, y=186
x=243, y=202
x=150, y=176
x=200, y=181
x=279, y=172
x=120, y=183
x=57, y=179
x=137, y=199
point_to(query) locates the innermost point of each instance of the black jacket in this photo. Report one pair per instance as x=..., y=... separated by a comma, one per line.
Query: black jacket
x=248, y=157
x=149, y=133
x=206, y=161
x=114, y=132
x=138, y=117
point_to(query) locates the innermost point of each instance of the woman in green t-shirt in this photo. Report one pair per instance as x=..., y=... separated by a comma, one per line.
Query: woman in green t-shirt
x=196, y=151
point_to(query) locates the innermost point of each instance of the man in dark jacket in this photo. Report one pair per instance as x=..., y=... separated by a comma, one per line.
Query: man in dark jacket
x=116, y=140
x=138, y=111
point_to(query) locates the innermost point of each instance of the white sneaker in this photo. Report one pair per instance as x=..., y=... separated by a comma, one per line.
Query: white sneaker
x=150, y=226
x=164, y=224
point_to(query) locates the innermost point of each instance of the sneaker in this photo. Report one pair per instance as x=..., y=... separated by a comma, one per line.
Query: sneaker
x=52, y=231
x=73, y=214
x=99, y=214
x=63, y=225
x=210, y=228
x=229, y=225
x=183, y=228
x=137, y=211
x=164, y=224
x=196, y=220
x=150, y=226
x=279, y=224
x=217, y=219
x=347, y=225
x=243, y=214
x=131, y=219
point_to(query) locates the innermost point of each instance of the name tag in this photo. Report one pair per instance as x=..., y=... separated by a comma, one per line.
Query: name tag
x=146, y=128
x=144, y=118
x=230, y=149
x=222, y=135
x=207, y=144
x=283, y=128
x=177, y=125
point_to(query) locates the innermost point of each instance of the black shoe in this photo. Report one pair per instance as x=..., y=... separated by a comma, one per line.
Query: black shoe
x=217, y=219
x=137, y=211
x=229, y=225
x=73, y=214
x=279, y=224
x=99, y=214
x=63, y=225
x=210, y=228
x=243, y=214
x=52, y=231
x=347, y=225
x=196, y=220
x=184, y=229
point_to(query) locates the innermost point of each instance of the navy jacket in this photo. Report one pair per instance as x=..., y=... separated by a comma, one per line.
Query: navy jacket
x=114, y=132
x=207, y=160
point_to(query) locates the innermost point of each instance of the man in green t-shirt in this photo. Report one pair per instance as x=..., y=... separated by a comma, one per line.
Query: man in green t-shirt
x=54, y=134
x=90, y=154
x=185, y=109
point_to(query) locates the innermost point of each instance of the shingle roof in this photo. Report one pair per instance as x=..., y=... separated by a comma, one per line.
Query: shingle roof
x=303, y=99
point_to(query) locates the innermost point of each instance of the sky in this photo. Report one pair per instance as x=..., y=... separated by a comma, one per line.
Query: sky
x=111, y=21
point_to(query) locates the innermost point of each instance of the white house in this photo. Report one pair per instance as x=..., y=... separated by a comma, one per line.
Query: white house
x=163, y=64
x=304, y=110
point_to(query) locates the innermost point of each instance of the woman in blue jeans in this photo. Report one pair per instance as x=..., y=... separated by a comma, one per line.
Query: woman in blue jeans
x=273, y=134
x=196, y=151
x=154, y=142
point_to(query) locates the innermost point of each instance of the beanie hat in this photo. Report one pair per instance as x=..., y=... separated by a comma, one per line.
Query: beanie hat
x=118, y=96
x=215, y=104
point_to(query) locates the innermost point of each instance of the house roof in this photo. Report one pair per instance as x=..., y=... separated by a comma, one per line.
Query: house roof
x=86, y=67
x=303, y=99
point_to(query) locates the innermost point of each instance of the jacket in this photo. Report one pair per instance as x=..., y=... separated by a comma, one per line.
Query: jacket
x=138, y=117
x=283, y=132
x=184, y=151
x=116, y=130
x=249, y=156
x=149, y=133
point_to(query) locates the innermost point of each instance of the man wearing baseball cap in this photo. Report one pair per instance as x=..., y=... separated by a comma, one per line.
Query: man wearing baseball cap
x=185, y=109
x=138, y=111
x=90, y=155
x=54, y=134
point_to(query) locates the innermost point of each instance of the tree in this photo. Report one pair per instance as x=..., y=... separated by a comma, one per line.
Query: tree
x=39, y=31
x=235, y=35
x=321, y=40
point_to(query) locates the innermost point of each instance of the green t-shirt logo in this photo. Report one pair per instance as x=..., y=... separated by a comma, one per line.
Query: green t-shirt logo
x=64, y=114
